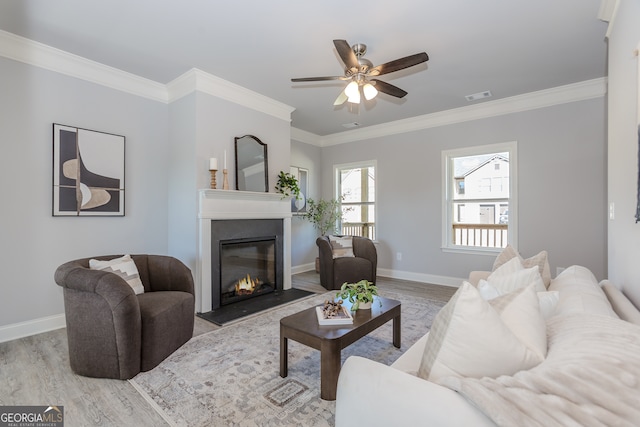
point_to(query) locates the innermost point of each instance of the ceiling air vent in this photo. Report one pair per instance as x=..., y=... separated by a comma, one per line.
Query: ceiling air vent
x=351, y=125
x=479, y=95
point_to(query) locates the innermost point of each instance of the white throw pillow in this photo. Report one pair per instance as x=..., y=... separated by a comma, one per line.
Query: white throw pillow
x=342, y=246
x=548, y=300
x=520, y=311
x=548, y=303
x=540, y=260
x=509, y=280
x=469, y=338
x=509, y=267
x=123, y=267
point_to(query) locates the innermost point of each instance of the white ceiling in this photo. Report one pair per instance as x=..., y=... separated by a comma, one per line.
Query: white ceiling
x=507, y=47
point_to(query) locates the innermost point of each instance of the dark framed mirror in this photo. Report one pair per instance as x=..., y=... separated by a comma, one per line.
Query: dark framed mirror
x=252, y=173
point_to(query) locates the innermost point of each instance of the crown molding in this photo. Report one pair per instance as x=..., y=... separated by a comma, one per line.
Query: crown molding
x=306, y=137
x=545, y=98
x=198, y=80
x=43, y=56
x=40, y=55
x=607, y=9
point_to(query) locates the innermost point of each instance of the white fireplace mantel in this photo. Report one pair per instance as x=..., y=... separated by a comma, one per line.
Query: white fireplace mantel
x=232, y=204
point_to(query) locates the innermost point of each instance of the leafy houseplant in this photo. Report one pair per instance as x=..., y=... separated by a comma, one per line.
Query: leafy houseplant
x=358, y=293
x=323, y=214
x=287, y=185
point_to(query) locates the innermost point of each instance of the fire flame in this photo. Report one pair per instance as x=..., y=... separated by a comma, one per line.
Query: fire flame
x=247, y=285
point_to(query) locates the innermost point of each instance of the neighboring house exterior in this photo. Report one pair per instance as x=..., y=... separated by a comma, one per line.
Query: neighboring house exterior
x=482, y=189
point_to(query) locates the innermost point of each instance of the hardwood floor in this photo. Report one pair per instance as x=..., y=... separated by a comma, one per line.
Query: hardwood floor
x=35, y=370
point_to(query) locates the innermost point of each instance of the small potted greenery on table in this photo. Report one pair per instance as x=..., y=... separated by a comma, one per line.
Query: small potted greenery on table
x=359, y=294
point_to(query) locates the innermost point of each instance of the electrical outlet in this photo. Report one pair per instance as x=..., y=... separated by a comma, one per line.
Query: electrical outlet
x=399, y=256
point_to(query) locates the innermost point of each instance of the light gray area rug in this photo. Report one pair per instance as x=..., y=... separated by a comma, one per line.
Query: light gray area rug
x=231, y=376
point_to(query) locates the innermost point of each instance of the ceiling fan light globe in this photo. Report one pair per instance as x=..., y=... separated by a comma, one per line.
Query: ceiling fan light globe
x=355, y=98
x=370, y=92
x=352, y=90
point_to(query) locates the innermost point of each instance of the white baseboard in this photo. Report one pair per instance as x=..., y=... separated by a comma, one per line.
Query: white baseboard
x=50, y=323
x=303, y=267
x=31, y=327
x=402, y=275
x=421, y=277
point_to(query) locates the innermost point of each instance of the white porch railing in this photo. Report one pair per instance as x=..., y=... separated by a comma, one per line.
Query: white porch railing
x=364, y=229
x=483, y=235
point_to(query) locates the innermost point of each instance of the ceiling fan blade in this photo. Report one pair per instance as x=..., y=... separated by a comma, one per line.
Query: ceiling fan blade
x=389, y=89
x=399, y=64
x=317, y=79
x=346, y=54
x=341, y=99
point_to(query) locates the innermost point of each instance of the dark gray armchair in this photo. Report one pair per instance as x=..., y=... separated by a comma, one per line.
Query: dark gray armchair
x=114, y=333
x=335, y=271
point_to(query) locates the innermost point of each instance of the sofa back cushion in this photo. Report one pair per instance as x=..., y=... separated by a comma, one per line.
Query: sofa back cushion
x=579, y=292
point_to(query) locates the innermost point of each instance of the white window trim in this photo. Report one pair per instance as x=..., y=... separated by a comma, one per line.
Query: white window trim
x=353, y=165
x=512, y=148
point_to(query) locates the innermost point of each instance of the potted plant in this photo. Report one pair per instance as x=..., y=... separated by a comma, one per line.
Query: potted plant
x=323, y=214
x=287, y=185
x=359, y=294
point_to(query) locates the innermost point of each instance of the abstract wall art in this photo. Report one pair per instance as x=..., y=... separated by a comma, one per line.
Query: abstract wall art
x=88, y=172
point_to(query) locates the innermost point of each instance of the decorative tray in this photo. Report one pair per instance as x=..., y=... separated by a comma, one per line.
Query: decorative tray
x=333, y=314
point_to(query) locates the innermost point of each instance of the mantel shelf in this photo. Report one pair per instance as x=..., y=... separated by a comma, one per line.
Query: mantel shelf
x=239, y=195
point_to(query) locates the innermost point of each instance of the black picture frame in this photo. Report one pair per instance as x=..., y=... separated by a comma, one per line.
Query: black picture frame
x=88, y=172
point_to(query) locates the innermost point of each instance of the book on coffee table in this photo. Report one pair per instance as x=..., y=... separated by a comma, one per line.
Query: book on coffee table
x=341, y=318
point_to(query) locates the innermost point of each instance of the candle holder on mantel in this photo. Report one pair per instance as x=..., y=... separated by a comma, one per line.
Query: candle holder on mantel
x=213, y=178
x=225, y=180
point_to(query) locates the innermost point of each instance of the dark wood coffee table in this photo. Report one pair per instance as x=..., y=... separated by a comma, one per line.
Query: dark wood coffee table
x=303, y=327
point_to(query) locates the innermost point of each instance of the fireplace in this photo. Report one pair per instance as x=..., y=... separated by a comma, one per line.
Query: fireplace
x=223, y=217
x=246, y=259
x=247, y=269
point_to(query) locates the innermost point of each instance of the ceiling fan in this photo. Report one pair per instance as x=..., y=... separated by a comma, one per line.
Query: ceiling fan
x=360, y=71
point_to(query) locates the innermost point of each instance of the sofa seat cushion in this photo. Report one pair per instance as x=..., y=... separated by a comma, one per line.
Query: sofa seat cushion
x=409, y=361
x=167, y=323
x=351, y=270
x=580, y=293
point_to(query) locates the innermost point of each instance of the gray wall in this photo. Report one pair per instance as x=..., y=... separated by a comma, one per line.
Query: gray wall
x=303, y=235
x=167, y=151
x=561, y=189
x=33, y=242
x=204, y=126
x=623, y=100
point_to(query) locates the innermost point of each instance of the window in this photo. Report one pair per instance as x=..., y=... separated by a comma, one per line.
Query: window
x=479, y=197
x=356, y=186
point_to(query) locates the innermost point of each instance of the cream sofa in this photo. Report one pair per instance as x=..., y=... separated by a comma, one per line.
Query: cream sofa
x=373, y=394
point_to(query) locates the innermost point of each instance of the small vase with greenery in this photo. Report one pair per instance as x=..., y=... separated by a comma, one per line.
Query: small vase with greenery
x=359, y=294
x=287, y=185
